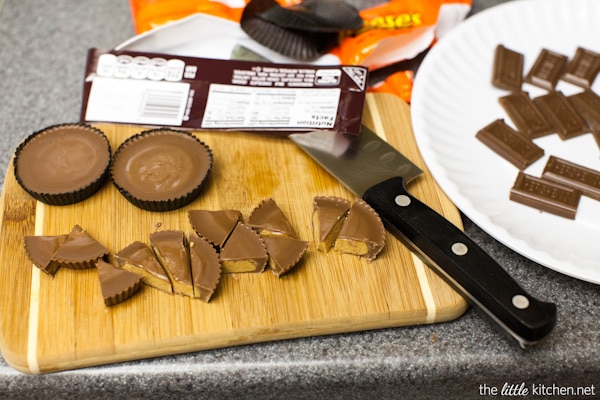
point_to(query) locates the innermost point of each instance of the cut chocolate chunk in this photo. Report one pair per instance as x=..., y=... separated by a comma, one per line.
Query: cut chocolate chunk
x=587, y=104
x=139, y=258
x=117, y=284
x=510, y=144
x=284, y=253
x=546, y=196
x=79, y=250
x=206, y=267
x=172, y=252
x=41, y=249
x=507, y=73
x=214, y=226
x=525, y=115
x=570, y=174
x=547, y=69
x=245, y=251
x=560, y=113
x=363, y=233
x=329, y=214
x=268, y=219
x=583, y=68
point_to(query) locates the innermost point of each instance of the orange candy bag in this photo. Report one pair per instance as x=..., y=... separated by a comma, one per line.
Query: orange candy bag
x=393, y=31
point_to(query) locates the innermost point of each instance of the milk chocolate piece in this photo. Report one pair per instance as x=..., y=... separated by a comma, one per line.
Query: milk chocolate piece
x=510, y=144
x=214, y=226
x=41, y=249
x=268, y=219
x=507, y=73
x=244, y=251
x=363, y=233
x=525, y=115
x=583, y=68
x=63, y=164
x=546, y=196
x=117, y=284
x=587, y=104
x=547, y=69
x=329, y=214
x=140, y=259
x=284, y=253
x=161, y=169
x=574, y=175
x=206, y=267
x=560, y=113
x=79, y=250
x=172, y=252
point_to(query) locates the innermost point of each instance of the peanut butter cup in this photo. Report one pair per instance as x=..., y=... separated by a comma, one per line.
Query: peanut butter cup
x=161, y=169
x=63, y=164
x=363, y=233
x=116, y=284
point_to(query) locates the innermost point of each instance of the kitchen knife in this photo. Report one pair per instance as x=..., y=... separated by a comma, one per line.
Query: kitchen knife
x=377, y=172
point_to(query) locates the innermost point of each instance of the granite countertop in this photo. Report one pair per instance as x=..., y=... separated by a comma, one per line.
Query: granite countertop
x=43, y=48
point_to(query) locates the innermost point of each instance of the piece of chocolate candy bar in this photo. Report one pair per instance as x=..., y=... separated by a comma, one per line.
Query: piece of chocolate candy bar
x=547, y=69
x=561, y=114
x=510, y=144
x=545, y=195
x=507, y=73
x=583, y=68
x=587, y=104
x=574, y=175
x=525, y=115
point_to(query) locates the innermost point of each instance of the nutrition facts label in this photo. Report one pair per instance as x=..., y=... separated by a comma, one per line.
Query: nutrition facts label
x=240, y=106
x=157, y=89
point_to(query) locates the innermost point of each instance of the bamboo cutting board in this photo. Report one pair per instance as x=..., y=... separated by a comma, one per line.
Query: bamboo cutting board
x=52, y=324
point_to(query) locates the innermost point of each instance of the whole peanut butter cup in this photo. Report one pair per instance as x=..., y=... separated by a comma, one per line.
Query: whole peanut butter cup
x=161, y=169
x=63, y=164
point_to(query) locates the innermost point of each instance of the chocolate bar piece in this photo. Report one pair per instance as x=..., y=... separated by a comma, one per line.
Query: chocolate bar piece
x=546, y=196
x=547, y=69
x=510, y=144
x=508, y=69
x=577, y=176
x=525, y=115
x=583, y=68
x=561, y=114
x=587, y=104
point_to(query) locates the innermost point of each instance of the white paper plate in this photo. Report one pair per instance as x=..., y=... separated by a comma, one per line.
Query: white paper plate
x=453, y=98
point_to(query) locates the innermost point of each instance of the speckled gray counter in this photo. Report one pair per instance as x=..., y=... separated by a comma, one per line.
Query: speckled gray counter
x=43, y=47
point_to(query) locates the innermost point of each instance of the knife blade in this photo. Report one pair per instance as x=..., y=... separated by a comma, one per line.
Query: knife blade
x=374, y=170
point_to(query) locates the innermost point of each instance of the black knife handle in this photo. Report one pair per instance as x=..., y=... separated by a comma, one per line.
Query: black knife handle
x=462, y=263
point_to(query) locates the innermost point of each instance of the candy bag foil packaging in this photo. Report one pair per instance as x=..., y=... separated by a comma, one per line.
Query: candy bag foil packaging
x=370, y=33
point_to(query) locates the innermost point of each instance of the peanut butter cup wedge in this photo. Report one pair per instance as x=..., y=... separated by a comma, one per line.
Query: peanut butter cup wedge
x=268, y=219
x=79, y=250
x=172, y=252
x=139, y=259
x=329, y=214
x=244, y=251
x=41, y=249
x=117, y=284
x=363, y=233
x=206, y=267
x=284, y=253
x=214, y=226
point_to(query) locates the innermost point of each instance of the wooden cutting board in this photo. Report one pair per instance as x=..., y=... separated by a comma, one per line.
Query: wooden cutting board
x=52, y=324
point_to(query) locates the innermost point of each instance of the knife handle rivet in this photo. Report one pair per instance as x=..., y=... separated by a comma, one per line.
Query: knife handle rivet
x=460, y=249
x=402, y=200
x=520, y=301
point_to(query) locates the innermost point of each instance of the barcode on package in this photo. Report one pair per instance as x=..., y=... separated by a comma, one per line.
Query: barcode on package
x=137, y=101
